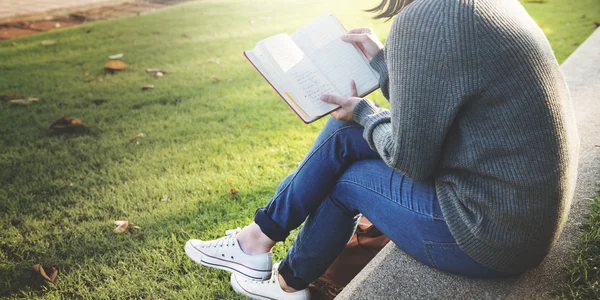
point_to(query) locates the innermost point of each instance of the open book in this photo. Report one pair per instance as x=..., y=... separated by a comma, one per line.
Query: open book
x=311, y=62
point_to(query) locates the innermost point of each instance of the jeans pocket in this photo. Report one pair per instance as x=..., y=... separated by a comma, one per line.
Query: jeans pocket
x=448, y=257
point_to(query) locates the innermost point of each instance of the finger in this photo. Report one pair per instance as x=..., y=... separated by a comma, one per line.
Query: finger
x=354, y=38
x=333, y=99
x=353, y=88
x=358, y=30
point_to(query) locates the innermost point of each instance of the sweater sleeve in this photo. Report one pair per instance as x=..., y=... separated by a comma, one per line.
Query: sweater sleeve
x=426, y=76
x=378, y=63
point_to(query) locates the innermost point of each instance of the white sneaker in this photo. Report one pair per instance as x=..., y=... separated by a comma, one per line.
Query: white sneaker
x=267, y=289
x=226, y=254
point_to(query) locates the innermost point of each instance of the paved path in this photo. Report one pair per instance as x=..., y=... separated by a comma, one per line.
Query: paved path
x=9, y=9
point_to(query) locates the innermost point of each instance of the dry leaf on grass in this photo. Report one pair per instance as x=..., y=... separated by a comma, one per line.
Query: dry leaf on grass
x=233, y=192
x=136, y=138
x=116, y=56
x=116, y=65
x=215, y=78
x=68, y=122
x=121, y=226
x=48, y=42
x=164, y=197
x=27, y=101
x=147, y=87
x=7, y=97
x=49, y=273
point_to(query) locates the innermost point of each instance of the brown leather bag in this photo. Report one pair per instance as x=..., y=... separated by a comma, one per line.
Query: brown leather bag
x=366, y=242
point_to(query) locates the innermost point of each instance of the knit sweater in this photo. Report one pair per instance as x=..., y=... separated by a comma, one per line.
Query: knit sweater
x=478, y=104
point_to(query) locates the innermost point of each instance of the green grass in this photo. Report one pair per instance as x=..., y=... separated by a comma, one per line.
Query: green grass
x=583, y=280
x=61, y=192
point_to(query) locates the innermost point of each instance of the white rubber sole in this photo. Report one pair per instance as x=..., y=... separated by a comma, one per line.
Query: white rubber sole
x=240, y=290
x=223, y=264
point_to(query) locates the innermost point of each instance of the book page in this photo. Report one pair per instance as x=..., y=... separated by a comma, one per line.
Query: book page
x=307, y=82
x=339, y=61
x=257, y=58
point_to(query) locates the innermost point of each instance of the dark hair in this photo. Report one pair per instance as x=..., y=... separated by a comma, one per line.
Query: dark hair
x=392, y=9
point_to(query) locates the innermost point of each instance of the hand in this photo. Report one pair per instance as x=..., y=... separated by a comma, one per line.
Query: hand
x=365, y=39
x=346, y=110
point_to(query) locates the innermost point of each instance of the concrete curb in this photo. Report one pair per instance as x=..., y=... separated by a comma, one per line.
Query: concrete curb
x=392, y=274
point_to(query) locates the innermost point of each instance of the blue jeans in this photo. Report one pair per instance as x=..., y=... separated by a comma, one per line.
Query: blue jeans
x=341, y=178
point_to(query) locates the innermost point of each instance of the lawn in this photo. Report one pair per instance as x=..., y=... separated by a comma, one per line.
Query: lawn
x=61, y=191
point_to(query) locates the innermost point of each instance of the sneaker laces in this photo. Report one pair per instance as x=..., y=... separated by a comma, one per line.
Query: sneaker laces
x=230, y=239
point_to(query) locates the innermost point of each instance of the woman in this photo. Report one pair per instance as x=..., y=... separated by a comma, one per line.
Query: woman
x=471, y=171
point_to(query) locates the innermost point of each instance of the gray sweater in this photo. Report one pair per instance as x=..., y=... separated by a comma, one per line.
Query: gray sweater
x=479, y=104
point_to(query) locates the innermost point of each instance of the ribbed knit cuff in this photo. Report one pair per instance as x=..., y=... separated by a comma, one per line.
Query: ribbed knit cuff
x=366, y=112
x=369, y=115
x=378, y=63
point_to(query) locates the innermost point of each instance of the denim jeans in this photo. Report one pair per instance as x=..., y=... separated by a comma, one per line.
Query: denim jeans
x=341, y=178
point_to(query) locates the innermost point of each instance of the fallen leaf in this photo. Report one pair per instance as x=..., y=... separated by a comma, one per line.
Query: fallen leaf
x=215, y=78
x=67, y=121
x=116, y=56
x=7, y=97
x=147, y=87
x=164, y=197
x=116, y=65
x=49, y=273
x=49, y=42
x=213, y=60
x=136, y=227
x=27, y=101
x=121, y=226
x=158, y=74
x=233, y=192
x=136, y=138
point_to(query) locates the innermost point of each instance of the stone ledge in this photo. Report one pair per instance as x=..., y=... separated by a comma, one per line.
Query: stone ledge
x=394, y=275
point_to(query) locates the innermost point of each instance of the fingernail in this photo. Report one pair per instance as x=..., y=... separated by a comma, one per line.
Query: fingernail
x=323, y=97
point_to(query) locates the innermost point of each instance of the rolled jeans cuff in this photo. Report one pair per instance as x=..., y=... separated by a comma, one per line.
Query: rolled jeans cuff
x=268, y=226
x=289, y=278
